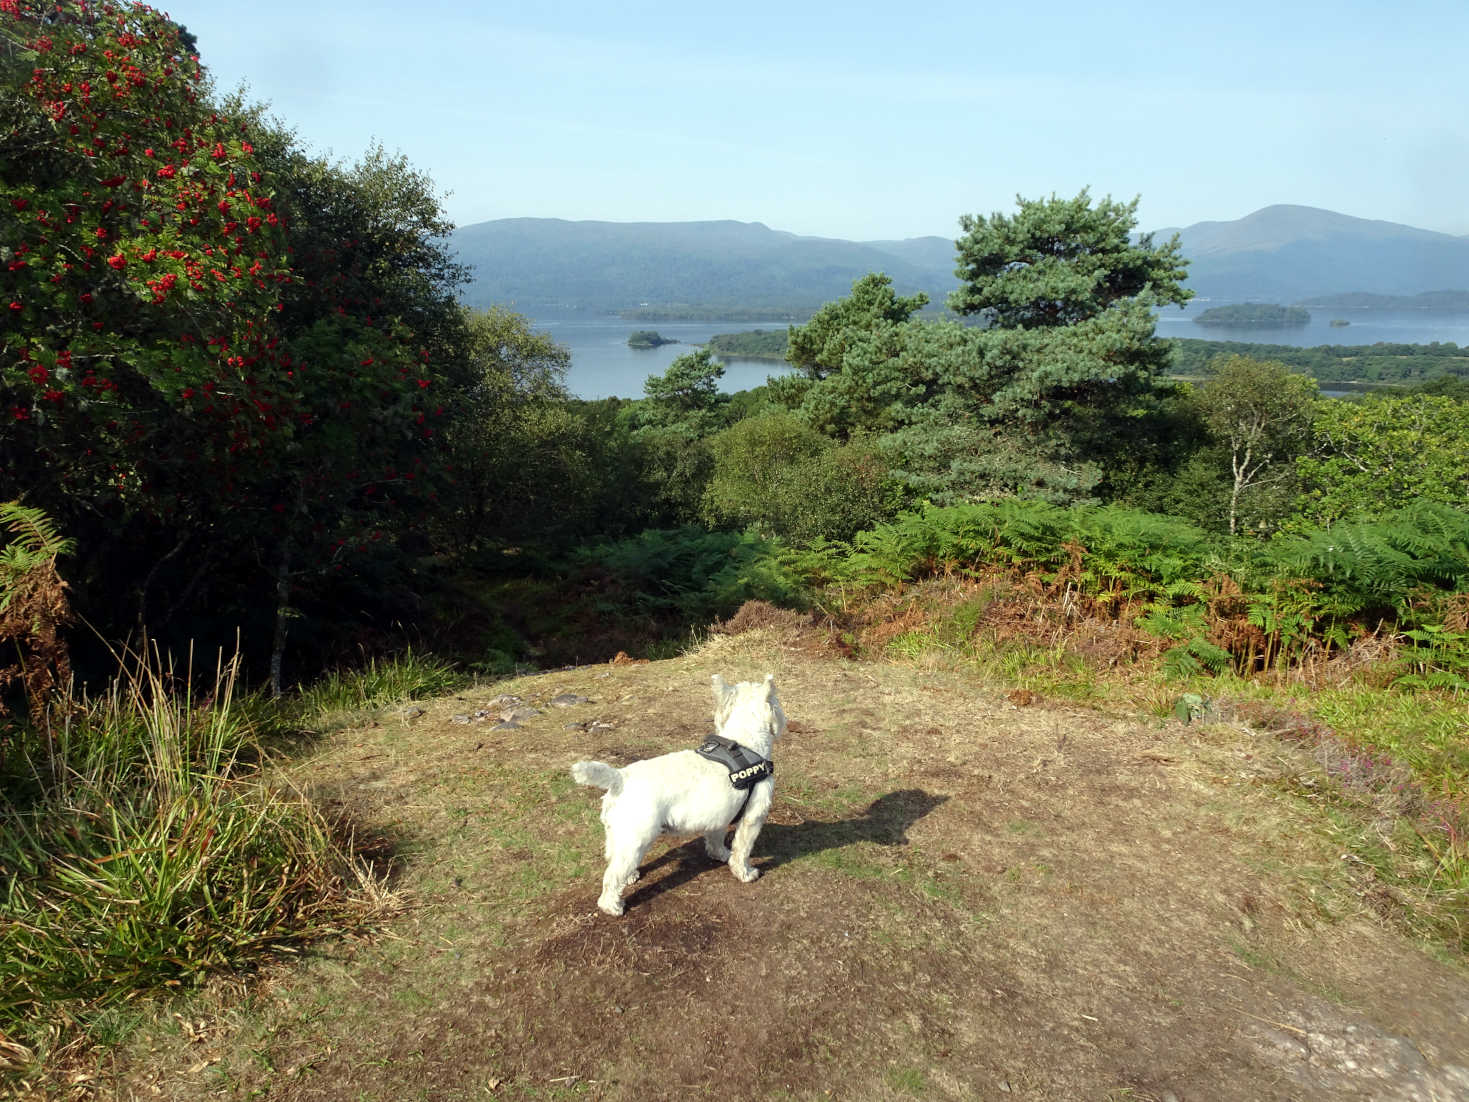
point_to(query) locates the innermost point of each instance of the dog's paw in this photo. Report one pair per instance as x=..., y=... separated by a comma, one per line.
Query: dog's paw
x=746, y=874
x=718, y=853
x=632, y=878
x=612, y=907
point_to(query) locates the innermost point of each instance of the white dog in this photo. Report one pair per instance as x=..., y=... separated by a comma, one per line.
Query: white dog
x=684, y=793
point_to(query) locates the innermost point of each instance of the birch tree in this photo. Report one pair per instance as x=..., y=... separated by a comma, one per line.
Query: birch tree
x=1261, y=412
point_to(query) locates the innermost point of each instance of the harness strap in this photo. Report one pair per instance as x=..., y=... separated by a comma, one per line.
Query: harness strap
x=746, y=768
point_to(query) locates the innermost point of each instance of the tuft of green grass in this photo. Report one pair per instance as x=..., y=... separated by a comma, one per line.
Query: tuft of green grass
x=141, y=849
x=911, y=646
x=1427, y=732
x=341, y=695
x=907, y=1080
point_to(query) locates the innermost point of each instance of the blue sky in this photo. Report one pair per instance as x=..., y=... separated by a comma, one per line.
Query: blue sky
x=873, y=120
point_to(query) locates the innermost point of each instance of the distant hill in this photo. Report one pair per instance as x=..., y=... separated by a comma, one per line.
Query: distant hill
x=546, y=264
x=1433, y=302
x=1296, y=254
x=1283, y=254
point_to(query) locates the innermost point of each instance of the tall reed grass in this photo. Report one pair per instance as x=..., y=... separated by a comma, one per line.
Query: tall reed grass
x=141, y=847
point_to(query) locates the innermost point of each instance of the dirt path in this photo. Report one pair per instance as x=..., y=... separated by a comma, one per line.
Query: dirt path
x=961, y=899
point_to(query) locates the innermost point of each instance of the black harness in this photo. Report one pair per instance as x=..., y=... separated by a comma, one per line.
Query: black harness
x=746, y=768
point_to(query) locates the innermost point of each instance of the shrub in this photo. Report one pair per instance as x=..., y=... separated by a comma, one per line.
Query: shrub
x=783, y=478
x=695, y=575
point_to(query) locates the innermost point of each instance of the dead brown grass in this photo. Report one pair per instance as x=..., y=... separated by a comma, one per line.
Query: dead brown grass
x=783, y=627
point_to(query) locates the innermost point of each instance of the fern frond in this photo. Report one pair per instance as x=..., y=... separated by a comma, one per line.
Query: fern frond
x=33, y=531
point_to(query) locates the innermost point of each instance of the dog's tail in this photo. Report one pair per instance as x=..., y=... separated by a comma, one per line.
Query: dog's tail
x=598, y=774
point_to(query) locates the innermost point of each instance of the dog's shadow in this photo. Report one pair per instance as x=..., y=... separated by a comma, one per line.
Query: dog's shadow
x=885, y=821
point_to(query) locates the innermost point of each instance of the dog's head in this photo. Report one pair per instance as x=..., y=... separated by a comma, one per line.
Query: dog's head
x=748, y=706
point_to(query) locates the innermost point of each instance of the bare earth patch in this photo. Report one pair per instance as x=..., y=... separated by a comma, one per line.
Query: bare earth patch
x=962, y=898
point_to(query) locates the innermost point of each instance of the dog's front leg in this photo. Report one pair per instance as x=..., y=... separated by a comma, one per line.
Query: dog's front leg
x=746, y=832
x=744, y=841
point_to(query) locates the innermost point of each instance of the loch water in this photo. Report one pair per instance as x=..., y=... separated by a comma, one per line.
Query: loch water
x=1363, y=327
x=603, y=366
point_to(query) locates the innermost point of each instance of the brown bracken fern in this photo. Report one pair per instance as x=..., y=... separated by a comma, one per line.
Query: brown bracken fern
x=33, y=607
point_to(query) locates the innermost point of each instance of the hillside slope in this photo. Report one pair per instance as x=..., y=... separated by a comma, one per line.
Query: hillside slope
x=962, y=898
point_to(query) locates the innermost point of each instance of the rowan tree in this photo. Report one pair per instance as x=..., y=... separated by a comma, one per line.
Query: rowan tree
x=224, y=363
x=142, y=254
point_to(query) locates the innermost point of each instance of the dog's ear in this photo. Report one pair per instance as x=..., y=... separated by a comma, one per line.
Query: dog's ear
x=721, y=689
x=770, y=686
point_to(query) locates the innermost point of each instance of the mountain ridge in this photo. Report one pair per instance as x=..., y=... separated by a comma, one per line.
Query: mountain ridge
x=602, y=265
x=1284, y=253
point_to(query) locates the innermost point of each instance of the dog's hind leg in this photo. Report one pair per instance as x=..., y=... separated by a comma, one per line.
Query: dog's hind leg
x=714, y=844
x=621, y=871
x=623, y=858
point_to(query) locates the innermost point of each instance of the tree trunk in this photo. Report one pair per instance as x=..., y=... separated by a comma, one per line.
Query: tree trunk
x=147, y=584
x=282, y=616
x=1242, y=476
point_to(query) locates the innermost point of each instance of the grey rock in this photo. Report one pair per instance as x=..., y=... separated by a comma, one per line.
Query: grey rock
x=567, y=700
x=507, y=725
x=1326, y=1051
x=411, y=712
x=460, y=719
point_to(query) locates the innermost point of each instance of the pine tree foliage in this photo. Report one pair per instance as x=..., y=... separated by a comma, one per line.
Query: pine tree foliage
x=1056, y=262
x=1024, y=405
